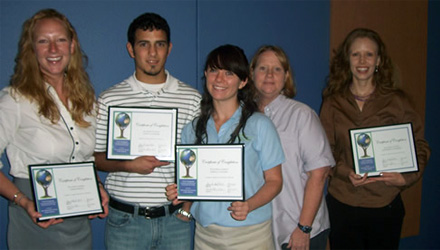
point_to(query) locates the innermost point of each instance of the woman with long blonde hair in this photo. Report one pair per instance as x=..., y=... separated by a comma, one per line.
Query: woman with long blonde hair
x=47, y=116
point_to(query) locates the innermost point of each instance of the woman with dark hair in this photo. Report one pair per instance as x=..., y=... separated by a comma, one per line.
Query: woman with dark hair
x=229, y=115
x=47, y=115
x=365, y=212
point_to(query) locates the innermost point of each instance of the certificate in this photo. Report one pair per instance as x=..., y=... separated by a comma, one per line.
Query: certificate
x=210, y=172
x=65, y=190
x=134, y=132
x=384, y=149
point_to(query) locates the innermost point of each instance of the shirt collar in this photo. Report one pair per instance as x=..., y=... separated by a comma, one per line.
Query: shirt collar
x=169, y=86
x=274, y=104
x=51, y=90
x=235, y=118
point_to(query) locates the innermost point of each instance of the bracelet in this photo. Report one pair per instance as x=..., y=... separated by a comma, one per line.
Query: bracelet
x=184, y=213
x=15, y=197
x=19, y=199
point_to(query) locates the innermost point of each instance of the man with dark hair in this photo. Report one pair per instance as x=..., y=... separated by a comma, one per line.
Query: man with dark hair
x=140, y=215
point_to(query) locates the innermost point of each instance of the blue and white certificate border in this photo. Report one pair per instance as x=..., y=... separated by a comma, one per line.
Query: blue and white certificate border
x=374, y=160
x=194, y=187
x=49, y=206
x=122, y=148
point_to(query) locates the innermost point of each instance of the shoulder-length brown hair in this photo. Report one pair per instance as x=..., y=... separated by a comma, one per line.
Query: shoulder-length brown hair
x=29, y=82
x=340, y=75
x=289, y=89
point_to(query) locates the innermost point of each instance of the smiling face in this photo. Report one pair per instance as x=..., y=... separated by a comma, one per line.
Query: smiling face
x=269, y=75
x=53, y=48
x=150, y=52
x=363, y=60
x=223, y=85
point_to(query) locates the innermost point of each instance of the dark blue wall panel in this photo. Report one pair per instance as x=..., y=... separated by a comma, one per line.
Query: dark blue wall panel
x=197, y=27
x=300, y=27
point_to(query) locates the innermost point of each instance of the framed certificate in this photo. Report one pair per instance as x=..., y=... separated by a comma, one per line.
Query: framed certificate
x=65, y=190
x=136, y=131
x=384, y=149
x=210, y=172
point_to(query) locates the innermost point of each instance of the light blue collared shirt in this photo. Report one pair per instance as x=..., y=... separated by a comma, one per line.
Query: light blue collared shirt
x=263, y=151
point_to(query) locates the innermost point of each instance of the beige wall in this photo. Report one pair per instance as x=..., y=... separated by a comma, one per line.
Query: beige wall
x=403, y=26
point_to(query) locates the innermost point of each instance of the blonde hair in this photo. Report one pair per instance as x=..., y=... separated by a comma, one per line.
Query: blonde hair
x=289, y=88
x=29, y=82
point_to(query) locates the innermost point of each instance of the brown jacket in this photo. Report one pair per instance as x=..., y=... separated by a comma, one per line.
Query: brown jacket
x=339, y=113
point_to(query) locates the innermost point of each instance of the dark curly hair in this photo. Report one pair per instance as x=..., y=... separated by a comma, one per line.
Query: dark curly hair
x=340, y=75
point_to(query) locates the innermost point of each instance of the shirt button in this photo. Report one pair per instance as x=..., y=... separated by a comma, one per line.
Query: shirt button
x=77, y=143
x=71, y=128
x=73, y=157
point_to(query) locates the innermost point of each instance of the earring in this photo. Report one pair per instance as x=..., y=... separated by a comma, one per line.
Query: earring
x=376, y=69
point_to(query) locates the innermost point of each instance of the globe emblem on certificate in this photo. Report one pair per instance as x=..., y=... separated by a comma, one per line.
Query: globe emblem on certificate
x=44, y=178
x=364, y=140
x=122, y=120
x=187, y=158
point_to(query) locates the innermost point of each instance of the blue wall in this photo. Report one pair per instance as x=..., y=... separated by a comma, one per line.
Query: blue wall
x=198, y=26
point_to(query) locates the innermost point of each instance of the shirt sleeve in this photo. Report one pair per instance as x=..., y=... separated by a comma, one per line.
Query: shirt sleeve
x=422, y=147
x=9, y=119
x=313, y=143
x=101, y=126
x=269, y=144
x=328, y=123
x=187, y=134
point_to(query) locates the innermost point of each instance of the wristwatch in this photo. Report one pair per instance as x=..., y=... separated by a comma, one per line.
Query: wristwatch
x=184, y=213
x=305, y=229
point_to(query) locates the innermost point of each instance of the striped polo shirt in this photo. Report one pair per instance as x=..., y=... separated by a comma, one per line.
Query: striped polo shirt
x=145, y=189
